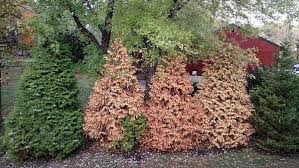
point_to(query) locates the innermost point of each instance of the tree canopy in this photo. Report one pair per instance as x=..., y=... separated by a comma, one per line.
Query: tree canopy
x=9, y=12
x=9, y=15
x=153, y=27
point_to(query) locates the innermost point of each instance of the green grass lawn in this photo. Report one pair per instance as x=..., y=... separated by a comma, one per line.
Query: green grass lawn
x=85, y=85
x=10, y=77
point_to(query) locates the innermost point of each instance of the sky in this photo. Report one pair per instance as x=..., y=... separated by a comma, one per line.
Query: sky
x=256, y=22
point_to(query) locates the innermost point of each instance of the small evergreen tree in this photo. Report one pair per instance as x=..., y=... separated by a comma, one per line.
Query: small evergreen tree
x=46, y=120
x=226, y=104
x=256, y=77
x=113, y=116
x=286, y=60
x=276, y=101
x=174, y=122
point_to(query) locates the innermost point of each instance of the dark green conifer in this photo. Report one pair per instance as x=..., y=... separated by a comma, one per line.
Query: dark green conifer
x=46, y=120
x=276, y=101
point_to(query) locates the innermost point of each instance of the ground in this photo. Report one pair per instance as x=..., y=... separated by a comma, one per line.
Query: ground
x=90, y=156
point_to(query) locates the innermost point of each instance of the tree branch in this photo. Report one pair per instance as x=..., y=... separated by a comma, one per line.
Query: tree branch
x=176, y=7
x=106, y=28
x=86, y=32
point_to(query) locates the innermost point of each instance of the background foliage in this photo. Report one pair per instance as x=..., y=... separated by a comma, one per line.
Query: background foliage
x=9, y=13
x=93, y=62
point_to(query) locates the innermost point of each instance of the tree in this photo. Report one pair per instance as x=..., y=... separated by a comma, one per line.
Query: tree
x=9, y=14
x=224, y=99
x=10, y=17
x=151, y=26
x=276, y=118
x=286, y=60
x=279, y=32
x=174, y=122
x=46, y=120
x=116, y=98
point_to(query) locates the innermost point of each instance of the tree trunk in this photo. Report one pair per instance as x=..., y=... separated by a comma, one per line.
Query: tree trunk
x=85, y=31
x=148, y=76
x=106, y=35
x=106, y=29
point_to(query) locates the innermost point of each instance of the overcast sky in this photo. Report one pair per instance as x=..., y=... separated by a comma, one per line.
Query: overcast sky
x=256, y=22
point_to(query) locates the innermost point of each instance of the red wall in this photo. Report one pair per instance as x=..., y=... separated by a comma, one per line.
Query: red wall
x=266, y=51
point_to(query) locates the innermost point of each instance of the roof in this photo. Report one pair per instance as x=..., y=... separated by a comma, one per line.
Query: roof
x=271, y=42
x=258, y=37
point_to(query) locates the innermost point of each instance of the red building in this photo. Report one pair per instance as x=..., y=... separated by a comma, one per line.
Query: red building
x=266, y=51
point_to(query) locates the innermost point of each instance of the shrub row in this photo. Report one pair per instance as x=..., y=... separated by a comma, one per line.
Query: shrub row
x=218, y=117
x=47, y=121
x=112, y=116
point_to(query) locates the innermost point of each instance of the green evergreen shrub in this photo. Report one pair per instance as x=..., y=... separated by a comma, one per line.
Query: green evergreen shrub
x=286, y=60
x=256, y=77
x=46, y=120
x=276, y=101
x=133, y=131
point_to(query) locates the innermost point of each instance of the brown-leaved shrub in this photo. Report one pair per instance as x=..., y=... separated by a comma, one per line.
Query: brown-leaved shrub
x=115, y=96
x=174, y=122
x=224, y=99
